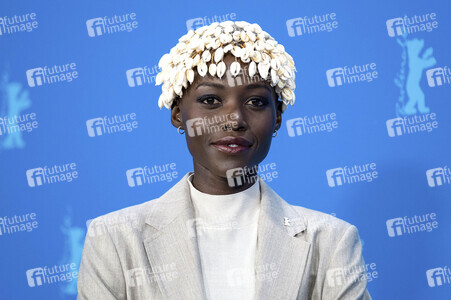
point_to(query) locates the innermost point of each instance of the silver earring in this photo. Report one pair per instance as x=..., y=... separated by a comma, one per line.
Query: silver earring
x=276, y=133
x=178, y=130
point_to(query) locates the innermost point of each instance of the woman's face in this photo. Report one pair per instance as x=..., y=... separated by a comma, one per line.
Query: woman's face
x=228, y=122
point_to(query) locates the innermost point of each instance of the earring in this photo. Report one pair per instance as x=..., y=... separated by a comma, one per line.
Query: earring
x=178, y=130
x=276, y=133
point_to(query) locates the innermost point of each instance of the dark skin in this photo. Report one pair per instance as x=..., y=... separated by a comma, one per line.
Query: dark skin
x=258, y=115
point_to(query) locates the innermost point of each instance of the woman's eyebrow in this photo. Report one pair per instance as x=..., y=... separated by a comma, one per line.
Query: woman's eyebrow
x=258, y=85
x=212, y=84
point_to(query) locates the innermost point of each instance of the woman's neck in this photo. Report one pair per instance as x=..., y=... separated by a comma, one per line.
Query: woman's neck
x=209, y=183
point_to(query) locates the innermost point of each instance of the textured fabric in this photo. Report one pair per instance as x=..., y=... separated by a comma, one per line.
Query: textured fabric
x=226, y=227
x=150, y=251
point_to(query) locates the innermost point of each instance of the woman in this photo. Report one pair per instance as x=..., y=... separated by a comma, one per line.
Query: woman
x=221, y=232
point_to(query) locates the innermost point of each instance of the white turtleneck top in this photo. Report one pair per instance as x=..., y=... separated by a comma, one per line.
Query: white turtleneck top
x=227, y=238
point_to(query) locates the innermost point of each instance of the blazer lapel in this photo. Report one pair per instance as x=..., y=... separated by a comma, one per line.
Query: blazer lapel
x=174, y=243
x=280, y=257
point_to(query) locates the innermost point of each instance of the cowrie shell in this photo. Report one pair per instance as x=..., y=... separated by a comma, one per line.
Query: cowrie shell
x=206, y=56
x=252, y=68
x=220, y=69
x=235, y=68
x=190, y=75
x=212, y=69
x=219, y=54
x=202, y=69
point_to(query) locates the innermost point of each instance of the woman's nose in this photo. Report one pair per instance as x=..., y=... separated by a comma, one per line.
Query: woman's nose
x=236, y=116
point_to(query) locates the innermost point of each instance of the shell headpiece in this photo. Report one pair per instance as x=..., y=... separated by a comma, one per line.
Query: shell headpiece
x=204, y=49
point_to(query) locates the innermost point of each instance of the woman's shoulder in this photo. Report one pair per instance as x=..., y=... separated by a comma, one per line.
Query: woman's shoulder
x=320, y=223
x=133, y=216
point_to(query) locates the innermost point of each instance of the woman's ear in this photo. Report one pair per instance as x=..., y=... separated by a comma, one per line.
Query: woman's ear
x=176, y=115
x=278, y=114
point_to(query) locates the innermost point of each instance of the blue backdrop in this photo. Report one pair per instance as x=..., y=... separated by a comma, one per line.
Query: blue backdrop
x=368, y=139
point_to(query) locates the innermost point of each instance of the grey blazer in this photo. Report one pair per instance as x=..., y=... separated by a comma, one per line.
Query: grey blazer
x=149, y=251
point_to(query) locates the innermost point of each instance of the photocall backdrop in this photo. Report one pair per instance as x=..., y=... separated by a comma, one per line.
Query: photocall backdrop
x=368, y=139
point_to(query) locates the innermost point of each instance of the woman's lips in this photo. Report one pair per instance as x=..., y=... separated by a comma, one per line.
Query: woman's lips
x=232, y=145
x=231, y=150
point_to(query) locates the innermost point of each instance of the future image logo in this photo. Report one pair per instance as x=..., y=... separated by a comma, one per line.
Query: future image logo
x=193, y=24
x=18, y=223
x=18, y=23
x=410, y=125
x=438, y=176
x=313, y=24
x=314, y=124
x=438, y=276
x=339, y=276
x=409, y=225
x=410, y=25
x=136, y=277
x=348, y=175
x=110, y=125
x=140, y=276
x=147, y=175
x=438, y=76
x=112, y=223
x=350, y=75
x=241, y=175
x=17, y=124
x=49, y=75
x=109, y=25
x=141, y=76
x=212, y=124
x=49, y=275
x=49, y=175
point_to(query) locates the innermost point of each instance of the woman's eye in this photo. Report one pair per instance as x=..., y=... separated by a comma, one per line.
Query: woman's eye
x=210, y=100
x=256, y=102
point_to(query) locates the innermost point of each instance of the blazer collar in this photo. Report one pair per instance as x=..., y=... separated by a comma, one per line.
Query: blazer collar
x=177, y=199
x=278, y=250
